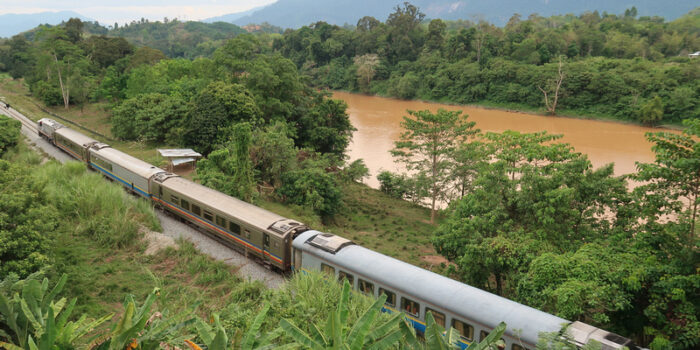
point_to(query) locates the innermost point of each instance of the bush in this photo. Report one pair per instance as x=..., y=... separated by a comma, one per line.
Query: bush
x=9, y=133
x=48, y=93
x=313, y=188
x=27, y=222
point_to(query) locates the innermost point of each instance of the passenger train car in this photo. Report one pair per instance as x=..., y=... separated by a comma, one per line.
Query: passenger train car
x=289, y=245
x=415, y=291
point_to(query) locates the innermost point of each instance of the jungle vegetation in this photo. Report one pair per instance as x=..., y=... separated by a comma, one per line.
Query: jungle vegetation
x=529, y=218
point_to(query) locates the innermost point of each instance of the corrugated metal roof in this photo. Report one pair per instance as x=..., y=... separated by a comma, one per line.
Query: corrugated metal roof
x=445, y=293
x=179, y=161
x=246, y=212
x=179, y=153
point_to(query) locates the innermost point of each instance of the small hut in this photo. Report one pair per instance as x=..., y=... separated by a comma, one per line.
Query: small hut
x=180, y=156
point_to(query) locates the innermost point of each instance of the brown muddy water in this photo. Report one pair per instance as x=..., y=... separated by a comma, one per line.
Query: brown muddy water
x=377, y=122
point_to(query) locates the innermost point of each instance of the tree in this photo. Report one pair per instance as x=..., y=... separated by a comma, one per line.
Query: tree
x=426, y=147
x=555, y=85
x=325, y=127
x=652, y=111
x=366, y=67
x=74, y=30
x=530, y=196
x=273, y=153
x=218, y=106
x=151, y=117
x=229, y=169
x=62, y=57
x=314, y=188
x=436, y=35
x=405, y=35
x=671, y=185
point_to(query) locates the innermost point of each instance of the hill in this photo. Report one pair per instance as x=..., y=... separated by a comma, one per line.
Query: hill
x=12, y=24
x=297, y=13
x=176, y=38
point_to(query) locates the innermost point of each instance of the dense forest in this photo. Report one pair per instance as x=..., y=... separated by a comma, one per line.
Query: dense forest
x=529, y=218
x=617, y=66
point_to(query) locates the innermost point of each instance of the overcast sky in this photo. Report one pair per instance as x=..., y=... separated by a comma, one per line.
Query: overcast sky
x=110, y=11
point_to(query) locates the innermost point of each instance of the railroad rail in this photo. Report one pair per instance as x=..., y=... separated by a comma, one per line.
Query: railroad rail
x=18, y=116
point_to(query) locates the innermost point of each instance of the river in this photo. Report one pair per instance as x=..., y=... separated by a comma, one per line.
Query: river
x=377, y=122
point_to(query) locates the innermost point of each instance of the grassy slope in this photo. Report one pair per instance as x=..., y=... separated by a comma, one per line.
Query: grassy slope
x=101, y=272
x=100, y=275
x=372, y=219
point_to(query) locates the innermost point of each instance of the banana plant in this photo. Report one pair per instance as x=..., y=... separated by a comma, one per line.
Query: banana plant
x=138, y=329
x=335, y=335
x=215, y=337
x=36, y=315
x=436, y=338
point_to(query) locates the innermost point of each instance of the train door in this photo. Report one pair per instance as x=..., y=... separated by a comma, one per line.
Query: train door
x=297, y=260
x=266, y=246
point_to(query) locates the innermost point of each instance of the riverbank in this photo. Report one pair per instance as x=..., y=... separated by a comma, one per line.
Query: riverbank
x=528, y=110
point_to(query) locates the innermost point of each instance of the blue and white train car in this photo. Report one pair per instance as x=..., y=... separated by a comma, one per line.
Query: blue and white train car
x=415, y=291
x=131, y=172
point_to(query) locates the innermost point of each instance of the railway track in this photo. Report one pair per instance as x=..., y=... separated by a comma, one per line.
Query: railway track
x=29, y=124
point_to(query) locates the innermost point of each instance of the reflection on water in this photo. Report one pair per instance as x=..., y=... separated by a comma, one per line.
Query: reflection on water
x=377, y=121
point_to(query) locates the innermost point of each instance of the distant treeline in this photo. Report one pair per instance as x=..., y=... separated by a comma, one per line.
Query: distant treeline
x=621, y=66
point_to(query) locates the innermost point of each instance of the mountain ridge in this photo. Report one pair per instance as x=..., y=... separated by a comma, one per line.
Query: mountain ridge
x=13, y=23
x=297, y=13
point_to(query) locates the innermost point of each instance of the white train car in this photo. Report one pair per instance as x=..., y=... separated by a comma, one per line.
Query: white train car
x=415, y=291
x=131, y=172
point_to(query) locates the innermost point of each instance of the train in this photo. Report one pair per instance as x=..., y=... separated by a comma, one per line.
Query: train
x=291, y=246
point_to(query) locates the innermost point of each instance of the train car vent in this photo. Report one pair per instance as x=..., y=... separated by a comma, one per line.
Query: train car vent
x=160, y=177
x=329, y=242
x=284, y=226
x=616, y=338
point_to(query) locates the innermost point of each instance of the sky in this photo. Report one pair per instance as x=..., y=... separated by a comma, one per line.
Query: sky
x=122, y=11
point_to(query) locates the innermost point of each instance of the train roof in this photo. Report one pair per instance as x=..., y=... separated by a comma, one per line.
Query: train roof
x=124, y=160
x=246, y=212
x=75, y=136
x=460, y=299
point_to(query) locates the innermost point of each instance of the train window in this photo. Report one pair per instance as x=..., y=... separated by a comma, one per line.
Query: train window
x=185, y=204
x=209, y=216
x=174, y=199
x=438, y=316
x=390, y=297
x=342, y=275
x=464, y=329
x=411, y=307
x=266, y=240
x=327, y=269
x=365, y=287
x=483, y=335
x=221, y=221
x=196, y=210
x=234, y=227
